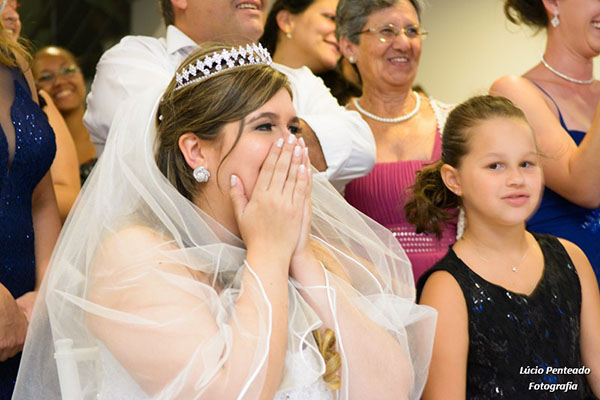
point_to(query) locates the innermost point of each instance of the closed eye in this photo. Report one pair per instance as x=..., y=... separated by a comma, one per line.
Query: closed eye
x=265, y=127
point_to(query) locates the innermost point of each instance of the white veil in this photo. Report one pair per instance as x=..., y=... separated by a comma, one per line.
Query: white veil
x=129, y=228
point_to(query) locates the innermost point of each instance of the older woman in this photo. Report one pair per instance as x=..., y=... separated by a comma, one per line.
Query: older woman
x=560, y=98
x=383, y=39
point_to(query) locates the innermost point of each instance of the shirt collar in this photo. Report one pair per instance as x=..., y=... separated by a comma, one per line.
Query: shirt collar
x=177, y=40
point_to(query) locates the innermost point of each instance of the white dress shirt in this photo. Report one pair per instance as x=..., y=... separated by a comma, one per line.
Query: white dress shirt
x=136, y=62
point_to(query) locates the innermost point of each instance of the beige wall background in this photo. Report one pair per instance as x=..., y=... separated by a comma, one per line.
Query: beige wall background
x=470, y=44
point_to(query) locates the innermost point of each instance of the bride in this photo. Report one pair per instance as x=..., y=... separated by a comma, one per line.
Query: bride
x=203, y=261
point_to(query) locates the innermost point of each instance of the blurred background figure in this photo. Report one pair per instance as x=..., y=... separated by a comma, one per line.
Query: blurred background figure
x=560, y=99
x=383, y=38
x=56, y=71
x=302, y=33
x=65, y=174
x=11, y=20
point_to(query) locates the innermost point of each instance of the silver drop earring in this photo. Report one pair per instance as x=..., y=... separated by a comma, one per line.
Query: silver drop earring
x=555, y=21
x=201, y=174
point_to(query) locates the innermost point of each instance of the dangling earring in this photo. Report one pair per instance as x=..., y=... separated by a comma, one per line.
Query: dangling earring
x=461, y=223
x=288, y=35
x=555, y=21
x=351, y=60
x=201, y=174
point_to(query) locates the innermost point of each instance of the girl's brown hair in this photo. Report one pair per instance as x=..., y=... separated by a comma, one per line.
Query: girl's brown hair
x=432, y=204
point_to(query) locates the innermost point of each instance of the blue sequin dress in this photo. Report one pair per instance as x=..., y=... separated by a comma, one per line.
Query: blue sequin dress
x=27, y=149
x=516, y=340
x=560, y=217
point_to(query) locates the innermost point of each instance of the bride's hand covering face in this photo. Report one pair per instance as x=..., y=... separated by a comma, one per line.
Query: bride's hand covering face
x=183, y=287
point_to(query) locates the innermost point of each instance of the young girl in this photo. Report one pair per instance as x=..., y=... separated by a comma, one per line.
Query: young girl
x=519, y=313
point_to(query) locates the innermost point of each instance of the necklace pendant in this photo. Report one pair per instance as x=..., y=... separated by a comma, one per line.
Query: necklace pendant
x=514, y=269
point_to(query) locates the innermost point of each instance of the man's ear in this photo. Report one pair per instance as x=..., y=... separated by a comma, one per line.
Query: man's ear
x=179, y=4
x=451, y=179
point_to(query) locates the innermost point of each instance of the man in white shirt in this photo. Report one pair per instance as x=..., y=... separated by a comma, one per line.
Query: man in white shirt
x=343, y=147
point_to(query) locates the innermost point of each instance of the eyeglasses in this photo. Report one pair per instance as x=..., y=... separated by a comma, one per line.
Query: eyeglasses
x=389, y=32
x=48, y=78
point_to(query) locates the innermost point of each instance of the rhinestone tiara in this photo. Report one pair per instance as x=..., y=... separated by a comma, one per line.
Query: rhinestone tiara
x=218, y=61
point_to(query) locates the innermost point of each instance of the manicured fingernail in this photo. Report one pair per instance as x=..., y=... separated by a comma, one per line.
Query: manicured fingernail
x=291, y=138
x=306, y=151
x=301, y=140
x=302, y=168
x=279, y=142
x=297, y=151
x=232, y=180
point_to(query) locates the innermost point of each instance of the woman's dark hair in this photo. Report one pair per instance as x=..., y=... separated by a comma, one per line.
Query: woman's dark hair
x=270, y=34
x=340, y=87
x=529, y=12
x=431, y=203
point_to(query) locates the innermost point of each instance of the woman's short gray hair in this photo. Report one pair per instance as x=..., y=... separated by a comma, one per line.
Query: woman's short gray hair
x=351, y=15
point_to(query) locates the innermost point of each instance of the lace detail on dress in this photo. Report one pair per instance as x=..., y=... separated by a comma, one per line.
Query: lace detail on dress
x=413, y=242
x=316, y=391
x=441, y=111
x=302, y=378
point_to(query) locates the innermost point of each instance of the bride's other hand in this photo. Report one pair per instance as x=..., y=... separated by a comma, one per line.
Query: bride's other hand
x=303, y=250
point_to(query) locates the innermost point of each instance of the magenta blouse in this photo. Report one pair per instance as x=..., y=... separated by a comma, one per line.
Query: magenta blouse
x=381, y=195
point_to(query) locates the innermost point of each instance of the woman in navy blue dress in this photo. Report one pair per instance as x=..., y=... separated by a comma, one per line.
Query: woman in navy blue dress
x=29, y=222
x=561, y=100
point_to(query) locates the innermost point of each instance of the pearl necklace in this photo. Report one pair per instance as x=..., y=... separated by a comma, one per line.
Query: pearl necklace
x=568, y=78
x=391, y=120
